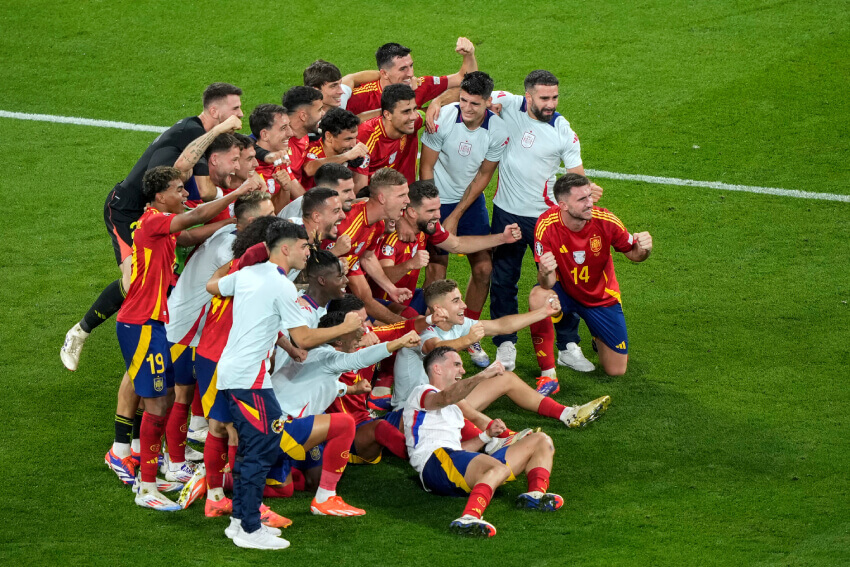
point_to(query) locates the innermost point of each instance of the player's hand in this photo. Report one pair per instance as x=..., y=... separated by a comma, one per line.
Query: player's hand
x=282, y=155
x=450, y=224
x=431, y=115
x=643, y=241
x=283, y=178
x=369, y=338
x=342, y=246
x=406, y=234
x=476, y=332
x=255, y=177
x=548, y=264
x=249, y=184
x=419, y=260
x=360, y=387
x=464, y=47
x=495, y=108
x=495, y=369
x=439, y=315
x=232, y=124
x=399, y=294
x=298, y=354
x=352, y=322
x=410, y=340
x=552, y=305
x=497, y=427
x=595, y=192
x=511, y=234
x=358, y=151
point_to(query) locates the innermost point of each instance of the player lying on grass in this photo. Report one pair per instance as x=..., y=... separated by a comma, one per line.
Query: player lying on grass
x=572, y=245
x=433, y=418
x=458, y=332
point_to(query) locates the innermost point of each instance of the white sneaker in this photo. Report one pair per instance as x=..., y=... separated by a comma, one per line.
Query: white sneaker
x=193, y=455
x=572, y=357
x=506, y=354
x=154, y=500
x=497, y=443
x=260, y=539
x=73, y=346
x=179, y=472
x=236, y=525
x=198, y=435
x=478, y=356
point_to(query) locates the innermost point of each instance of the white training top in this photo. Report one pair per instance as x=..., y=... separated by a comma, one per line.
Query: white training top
x=309, y=314
x=292, y=211
x=427, y=431
x=309, y=388
x=528, y=166
x=409, y=371
x=264, y=304
x=462, y=151
x=189, y=299
x=346, y=94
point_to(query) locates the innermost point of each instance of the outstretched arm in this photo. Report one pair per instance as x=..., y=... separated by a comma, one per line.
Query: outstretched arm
x=513, y=323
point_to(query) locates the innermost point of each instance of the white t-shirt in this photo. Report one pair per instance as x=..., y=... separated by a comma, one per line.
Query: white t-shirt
x=462, y=151
x=531, y=159
x=309, y=388
x=309, y=314
x=409, y=371
x=346, y=94
x=264, y=304
x=292, y=211
x=189, y=297
x=425, y=431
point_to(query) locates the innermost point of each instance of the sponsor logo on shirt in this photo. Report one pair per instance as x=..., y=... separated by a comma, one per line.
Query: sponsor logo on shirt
x=578, y=256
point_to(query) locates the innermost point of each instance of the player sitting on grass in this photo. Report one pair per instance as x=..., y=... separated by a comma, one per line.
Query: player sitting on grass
x=433, y=419
x=458, y=332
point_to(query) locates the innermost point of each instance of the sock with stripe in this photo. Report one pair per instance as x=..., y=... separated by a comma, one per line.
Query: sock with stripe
x=151, y=440
x=215, y=459
x=469, y=430
x=123, y=436
x=198, y=421
x=479, y=498
x=538, y=479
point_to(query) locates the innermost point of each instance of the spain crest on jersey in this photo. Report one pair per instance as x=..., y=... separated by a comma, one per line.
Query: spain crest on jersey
x=527, y=139
x=595, y=243
x=464, y=149
x=578, y=256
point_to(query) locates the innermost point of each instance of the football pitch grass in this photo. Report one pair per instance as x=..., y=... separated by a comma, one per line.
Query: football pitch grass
x=726, y=442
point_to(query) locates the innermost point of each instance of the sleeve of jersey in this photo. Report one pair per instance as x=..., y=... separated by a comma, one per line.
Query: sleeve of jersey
x=386, y=249
x=507, y=100
x=621, y=239
x=227, y=285
x=430, y=88
x=417, y=396
x=435, y=140
x=290, y=313
x=394, y=331
x=364, y=134
x=361, y=358
x=440, y=234
x=159, y=225
x=540, y=245
x=428, y=334
x=571, y=153
x=498, y=139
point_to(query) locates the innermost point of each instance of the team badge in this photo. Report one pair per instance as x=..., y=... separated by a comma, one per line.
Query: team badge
x=315, y=453
x=464, y=149
x=359, y=248
x=415, y=249
x=527, y=139
x=595, y=243
x=388, y=250
x=538, y=247
x=277, y=426
x=578, y=256
x=271, y=185
x=392, y=158
x=158, y=383
x=356, y=266
x=331, y=245
x=365, y=161
x=311, y=155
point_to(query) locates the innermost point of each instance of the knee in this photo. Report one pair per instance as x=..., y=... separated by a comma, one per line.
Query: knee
x=614, y=369
x=342, y=422
x=482, y=271
x=537, y=297
x=543, y=442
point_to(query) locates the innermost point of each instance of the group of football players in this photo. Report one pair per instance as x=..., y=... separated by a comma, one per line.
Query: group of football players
x=292, y=336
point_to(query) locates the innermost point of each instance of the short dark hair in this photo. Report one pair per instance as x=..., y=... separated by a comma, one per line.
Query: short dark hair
x=244, y=142
x=331, y=174
x=345, y=304
x=331, y=319
x=564, y=185
x=249, y=203
x=157, y=180
x=218, y=91
x=336, y=120
x=539, y=77
x=389, y=51
x=222, y=143
x=422, y=189
x=385, y=177
x=284, y=230
x=437, y=290
x=477, y=83
x=320, y=72
x=315, y=198
x=321, y=261
x=296, y=97
x=252, y=234
x=394, y=94
x=262, y=117
x=435, y=356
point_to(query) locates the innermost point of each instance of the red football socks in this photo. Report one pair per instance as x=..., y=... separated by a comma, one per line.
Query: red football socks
x=231, y=456
x=175, y=432
x=335, y=456
x=299, y=483
x=278, y=490
x=543, y=339
x=390, y=437
x=479, y=498
x=197, y=406
x=538, y=479
x=215, y=458
x=469, y=430
x=151, y=443
x=472, y=314
x=550, y=408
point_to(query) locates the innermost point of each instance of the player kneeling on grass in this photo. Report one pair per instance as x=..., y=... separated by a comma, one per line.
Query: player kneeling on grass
x=142, y=318
x=572, y=246
x=433, y=419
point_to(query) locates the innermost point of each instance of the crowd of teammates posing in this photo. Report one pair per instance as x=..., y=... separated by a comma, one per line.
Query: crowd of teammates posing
x=280, y=381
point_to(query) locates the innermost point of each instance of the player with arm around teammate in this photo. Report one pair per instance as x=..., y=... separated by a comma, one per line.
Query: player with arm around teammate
x=433, y=419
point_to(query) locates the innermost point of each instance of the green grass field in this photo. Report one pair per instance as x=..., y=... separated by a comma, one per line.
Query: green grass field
x=727, y=440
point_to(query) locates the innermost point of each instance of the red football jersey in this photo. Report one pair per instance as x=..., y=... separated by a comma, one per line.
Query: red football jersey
x=153, y=267
x=267, y=171
x=585, y=266
x=297, y=152
x=364, y=236
x=355, y=405
x=384, y=152
x=223, y=215
x=217, y=326
x=391, y=248
x=368, y=95
x=313, y=152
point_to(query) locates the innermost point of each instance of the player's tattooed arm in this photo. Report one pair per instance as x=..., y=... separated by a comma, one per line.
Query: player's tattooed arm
x=196, y=149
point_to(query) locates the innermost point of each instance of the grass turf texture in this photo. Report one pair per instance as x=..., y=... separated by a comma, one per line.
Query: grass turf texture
x=726, y=442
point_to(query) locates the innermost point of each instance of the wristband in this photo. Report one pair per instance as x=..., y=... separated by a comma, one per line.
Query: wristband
x=219, y=193
x=428, y=320
x=484, y=437
x=492, y=421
